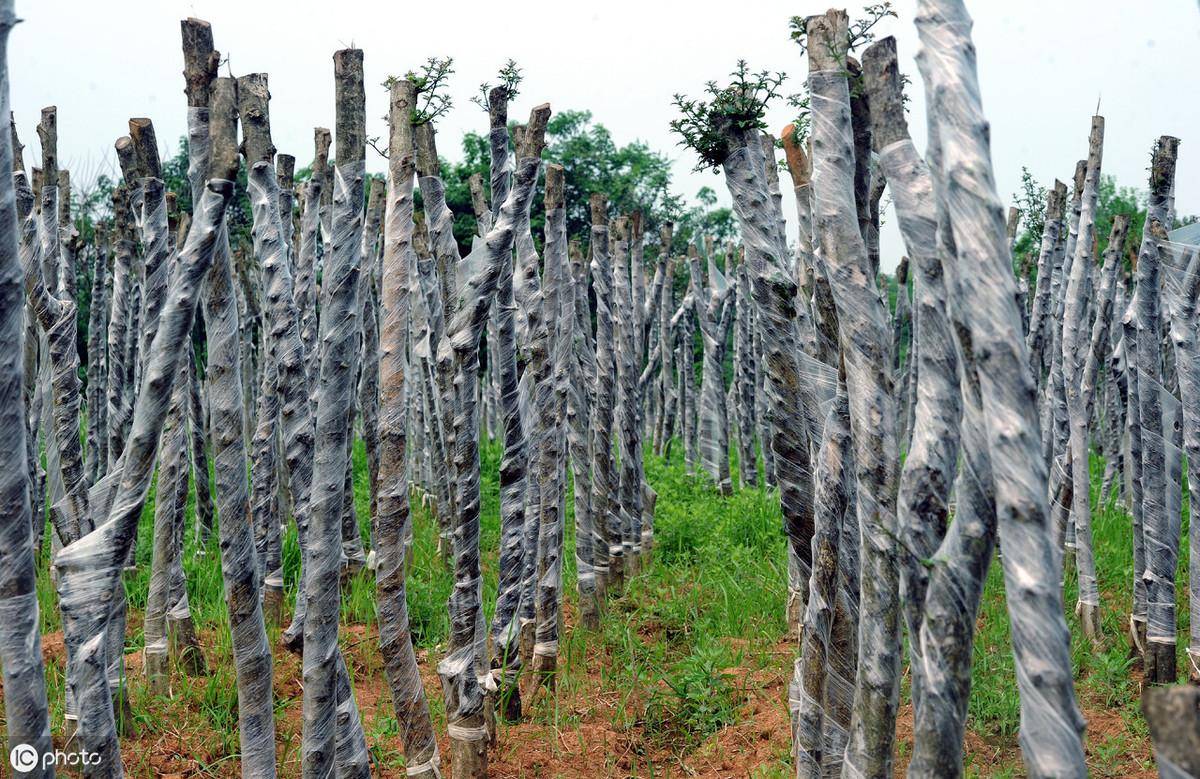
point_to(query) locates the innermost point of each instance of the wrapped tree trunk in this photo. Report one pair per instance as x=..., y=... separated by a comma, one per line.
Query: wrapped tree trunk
x=479, y=271
x=1184, y=325
x=239, y=566
x=25, y=709
x=608, y=550
x=581, y=392
x=1133, y=464
x=711, y=313
x=930, y=465
x=505, y=660
x=1161, y=545
x=339, y=358
x=1052, y=226
x=866, y=345
x=807, y=694
x=1051, y=725
x=1079, y=402
x=744, y=377
x=628, y=372
x=368, y=383
x=310, y=241
x=1056, y=436
x=197, y=421
x=549, y=474
x=118, y=326
x=97, y=450
x=90, y=568
x=56, y=317
x=393, y=520
x=1174, y=721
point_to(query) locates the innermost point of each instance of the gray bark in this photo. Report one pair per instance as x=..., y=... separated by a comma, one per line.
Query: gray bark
x=25, y=706
x=866, y=345
x=393, y=521
x=1051, y=726
x=1161, y=545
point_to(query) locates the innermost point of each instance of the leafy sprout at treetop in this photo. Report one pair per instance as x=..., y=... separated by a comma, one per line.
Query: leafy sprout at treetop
x=704, y=124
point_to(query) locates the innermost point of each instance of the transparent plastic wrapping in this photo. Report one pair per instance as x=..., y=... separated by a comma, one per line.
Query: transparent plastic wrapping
x=89, y=568
x=1051, y=725
x=25, y=709
x=323, y=553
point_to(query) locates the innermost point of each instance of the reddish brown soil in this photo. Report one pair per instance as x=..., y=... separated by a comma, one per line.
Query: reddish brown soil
x=589, y=741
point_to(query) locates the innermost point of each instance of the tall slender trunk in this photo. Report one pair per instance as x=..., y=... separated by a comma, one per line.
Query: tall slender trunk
x=504, y=631
x=97, y=451
x=339, y=358
x=1051, y=725
x=554, y=317
x=930, y=465
x=866, y=345
x=608, y=550
x=1079, y=406
x=1161, y=545
x=26, y=714
x=393, y=521
x=481, y=270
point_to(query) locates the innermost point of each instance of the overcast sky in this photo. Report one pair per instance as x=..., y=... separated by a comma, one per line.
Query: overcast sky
x=1043, y=66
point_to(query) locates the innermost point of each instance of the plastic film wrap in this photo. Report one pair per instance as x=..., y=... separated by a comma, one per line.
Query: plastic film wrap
x=866, y=353
x=1051, y=725
x=90, y=568
x=25, y=707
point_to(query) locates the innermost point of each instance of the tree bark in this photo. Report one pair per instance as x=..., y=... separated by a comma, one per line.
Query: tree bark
x=1051, y=724
x=25, y=708
x=1161, y=545
x=393, y=521
x=866, y=345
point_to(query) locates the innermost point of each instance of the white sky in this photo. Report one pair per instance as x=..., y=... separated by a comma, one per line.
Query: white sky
x=1043, y=65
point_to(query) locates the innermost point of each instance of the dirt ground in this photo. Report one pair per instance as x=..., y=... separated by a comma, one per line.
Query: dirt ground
x=181, y=742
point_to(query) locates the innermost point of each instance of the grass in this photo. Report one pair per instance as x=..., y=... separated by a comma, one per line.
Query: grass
x=692, y=650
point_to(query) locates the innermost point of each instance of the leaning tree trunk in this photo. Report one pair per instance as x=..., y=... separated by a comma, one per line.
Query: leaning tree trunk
x=56, y=317
x=1052, y=226
x=866, y=344
x=1161, y=545
x=26, y=714
x=1051, y=724
x=393, y=520
x=90, y=568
